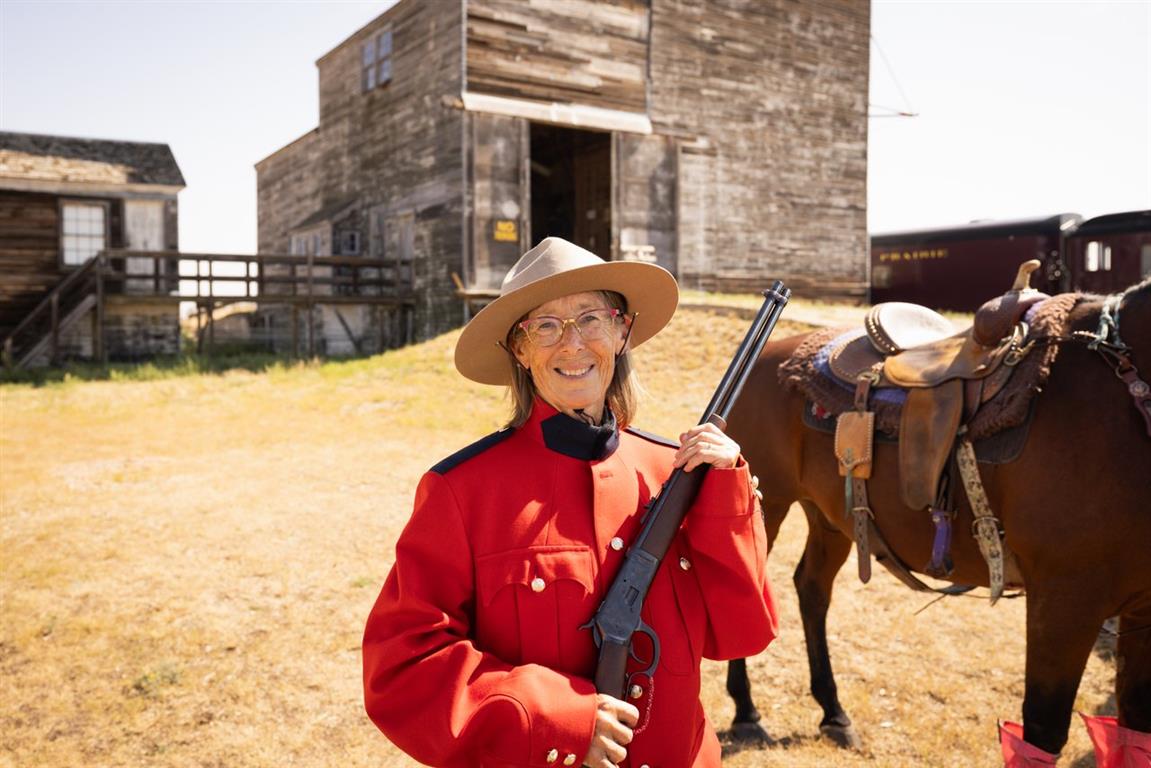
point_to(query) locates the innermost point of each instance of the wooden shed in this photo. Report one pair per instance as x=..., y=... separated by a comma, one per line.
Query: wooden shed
x=63, y=201
x=724, y=139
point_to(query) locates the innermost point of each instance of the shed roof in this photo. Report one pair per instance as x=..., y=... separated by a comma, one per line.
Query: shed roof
x=330, y=212
x=38, y=157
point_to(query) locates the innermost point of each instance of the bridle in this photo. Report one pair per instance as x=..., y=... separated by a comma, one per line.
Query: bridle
x=1117, y=354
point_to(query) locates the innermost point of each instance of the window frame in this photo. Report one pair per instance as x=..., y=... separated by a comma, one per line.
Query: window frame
x=1096, y=256
x=63, y=204
x=375, y=63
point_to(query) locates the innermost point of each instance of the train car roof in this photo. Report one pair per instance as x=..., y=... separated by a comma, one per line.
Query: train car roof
x=1112, y=223
x=982, y=230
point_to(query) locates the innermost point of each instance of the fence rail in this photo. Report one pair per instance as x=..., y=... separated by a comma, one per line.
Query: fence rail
x=301, y=282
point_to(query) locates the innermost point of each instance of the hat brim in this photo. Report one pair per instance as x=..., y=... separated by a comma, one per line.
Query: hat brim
x=651, y=293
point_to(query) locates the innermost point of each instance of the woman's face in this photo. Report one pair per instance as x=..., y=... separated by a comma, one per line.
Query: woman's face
x=574, y=373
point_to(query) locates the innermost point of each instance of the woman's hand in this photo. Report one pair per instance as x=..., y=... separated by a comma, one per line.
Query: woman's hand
x=614, y=720
x=706, y=444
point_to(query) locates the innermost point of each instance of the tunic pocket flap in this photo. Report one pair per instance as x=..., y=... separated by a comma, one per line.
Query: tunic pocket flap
x=534, y=568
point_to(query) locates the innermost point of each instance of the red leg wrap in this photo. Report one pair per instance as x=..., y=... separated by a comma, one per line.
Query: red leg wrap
x=1017, y=753
x=1116, y=746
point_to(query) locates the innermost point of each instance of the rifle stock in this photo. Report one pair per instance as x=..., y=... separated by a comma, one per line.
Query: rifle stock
x=618, y=617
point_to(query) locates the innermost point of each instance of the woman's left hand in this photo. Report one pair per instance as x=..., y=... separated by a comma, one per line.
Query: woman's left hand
x=706, y=444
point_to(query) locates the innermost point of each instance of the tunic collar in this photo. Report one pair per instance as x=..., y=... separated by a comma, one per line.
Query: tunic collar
x=572, y=437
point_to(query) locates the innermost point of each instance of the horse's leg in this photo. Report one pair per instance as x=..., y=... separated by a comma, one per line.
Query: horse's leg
x=1060, y=635
x=745, y=726
x=824, y=555
x=1133, y=673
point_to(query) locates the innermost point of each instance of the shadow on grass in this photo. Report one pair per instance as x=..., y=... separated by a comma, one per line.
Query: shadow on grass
x=158, y=368
x=733, y=744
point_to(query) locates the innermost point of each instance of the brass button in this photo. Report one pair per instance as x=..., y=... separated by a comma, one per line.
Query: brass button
x=635, y=691
x=570, y=759
x=685, y=564
x=538, y=584
x=553, y=756
x=617, y=543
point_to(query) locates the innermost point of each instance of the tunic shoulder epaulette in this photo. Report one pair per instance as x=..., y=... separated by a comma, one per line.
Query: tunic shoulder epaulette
x=475, y=449
x=651, y=437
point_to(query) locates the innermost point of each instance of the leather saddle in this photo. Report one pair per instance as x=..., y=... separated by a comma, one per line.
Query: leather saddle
x=947, y=373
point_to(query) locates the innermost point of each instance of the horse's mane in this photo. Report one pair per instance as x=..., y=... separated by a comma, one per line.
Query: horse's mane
x=1135, y=298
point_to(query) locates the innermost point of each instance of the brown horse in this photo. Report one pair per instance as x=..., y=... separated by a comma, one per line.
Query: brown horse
x=1075, y=507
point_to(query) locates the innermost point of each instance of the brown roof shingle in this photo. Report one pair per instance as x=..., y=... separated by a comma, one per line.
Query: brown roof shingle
x=102, y=161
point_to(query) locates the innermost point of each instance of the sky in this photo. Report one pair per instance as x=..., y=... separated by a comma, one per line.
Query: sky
x=1021, y=108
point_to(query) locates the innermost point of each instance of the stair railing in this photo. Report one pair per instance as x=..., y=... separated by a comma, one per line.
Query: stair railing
x=45, y=319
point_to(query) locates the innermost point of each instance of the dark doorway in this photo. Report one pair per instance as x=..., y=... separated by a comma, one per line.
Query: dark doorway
x=571, y=186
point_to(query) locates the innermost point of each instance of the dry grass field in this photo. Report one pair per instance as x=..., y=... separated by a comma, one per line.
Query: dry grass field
x=188, y=561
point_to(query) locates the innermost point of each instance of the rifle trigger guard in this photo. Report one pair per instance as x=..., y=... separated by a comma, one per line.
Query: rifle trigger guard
x=645, y=629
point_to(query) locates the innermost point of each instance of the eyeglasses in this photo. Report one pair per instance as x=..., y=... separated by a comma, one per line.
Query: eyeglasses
x=546, y=330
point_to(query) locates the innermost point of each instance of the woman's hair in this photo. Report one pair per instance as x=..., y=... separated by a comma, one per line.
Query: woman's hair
x=621, y=392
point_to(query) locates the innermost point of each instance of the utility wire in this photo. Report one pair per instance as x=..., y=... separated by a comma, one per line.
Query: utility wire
x=889, y=111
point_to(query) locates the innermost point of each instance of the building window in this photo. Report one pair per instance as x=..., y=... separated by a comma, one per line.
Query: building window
x=350, y=243
x=1097, y=257
x=376, y=61
x=84, y=233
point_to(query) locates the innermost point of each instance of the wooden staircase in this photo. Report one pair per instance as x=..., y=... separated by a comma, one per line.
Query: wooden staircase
x=76, y=296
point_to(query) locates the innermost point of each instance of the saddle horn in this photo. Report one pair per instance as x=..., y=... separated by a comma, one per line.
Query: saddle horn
x=996, y=318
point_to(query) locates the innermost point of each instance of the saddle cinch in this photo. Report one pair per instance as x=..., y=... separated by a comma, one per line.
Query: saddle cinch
x=947, y=376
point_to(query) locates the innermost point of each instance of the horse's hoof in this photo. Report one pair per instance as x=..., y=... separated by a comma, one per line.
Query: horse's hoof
x=842, y=735
x=750, y=733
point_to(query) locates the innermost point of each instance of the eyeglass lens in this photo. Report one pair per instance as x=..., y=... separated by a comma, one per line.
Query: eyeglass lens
x=547, y=330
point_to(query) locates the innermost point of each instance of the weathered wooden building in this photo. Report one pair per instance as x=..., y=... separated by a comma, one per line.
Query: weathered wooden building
x=62, y=202
x=725, y=139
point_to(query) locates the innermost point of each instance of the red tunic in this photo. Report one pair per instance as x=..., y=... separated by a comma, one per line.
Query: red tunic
x=473, y=653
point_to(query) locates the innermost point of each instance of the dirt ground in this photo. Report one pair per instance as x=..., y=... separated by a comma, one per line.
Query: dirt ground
x=188, y=562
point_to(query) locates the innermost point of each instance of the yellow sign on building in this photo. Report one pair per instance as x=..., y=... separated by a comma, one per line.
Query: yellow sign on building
x=506, y=231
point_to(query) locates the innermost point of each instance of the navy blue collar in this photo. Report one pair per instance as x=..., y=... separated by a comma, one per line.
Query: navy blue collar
x=580, y=440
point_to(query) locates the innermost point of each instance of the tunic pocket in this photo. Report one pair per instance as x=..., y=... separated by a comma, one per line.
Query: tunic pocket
x=532, y=601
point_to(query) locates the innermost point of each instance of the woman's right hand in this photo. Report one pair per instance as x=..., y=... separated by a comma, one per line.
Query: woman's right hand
x=614, y=720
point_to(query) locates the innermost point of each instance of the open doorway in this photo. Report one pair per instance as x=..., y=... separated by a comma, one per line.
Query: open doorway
x=571, y=186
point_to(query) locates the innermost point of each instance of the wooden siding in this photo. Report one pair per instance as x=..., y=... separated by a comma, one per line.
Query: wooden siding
x=397, y=149
x=771, y=98
x=645, y=215
x=567, y=51
x=29, y=253
x=287, y=191
x=497, y=175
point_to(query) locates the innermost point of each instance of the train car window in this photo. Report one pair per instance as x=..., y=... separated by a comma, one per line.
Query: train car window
x=1096, y=257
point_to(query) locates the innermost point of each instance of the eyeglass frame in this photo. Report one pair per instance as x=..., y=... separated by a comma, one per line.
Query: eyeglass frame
x=615, y=313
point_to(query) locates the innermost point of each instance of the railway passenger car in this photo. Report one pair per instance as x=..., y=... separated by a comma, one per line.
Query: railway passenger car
x=961, y=267
x=1109, y=253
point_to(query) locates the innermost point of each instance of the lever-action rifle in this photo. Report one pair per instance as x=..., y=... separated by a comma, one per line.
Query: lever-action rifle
x=618, y=617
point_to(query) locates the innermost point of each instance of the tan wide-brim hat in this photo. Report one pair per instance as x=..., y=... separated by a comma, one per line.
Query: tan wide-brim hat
x=553, y=269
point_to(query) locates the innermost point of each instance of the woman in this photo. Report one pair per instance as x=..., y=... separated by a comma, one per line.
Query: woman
x=475, y=652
